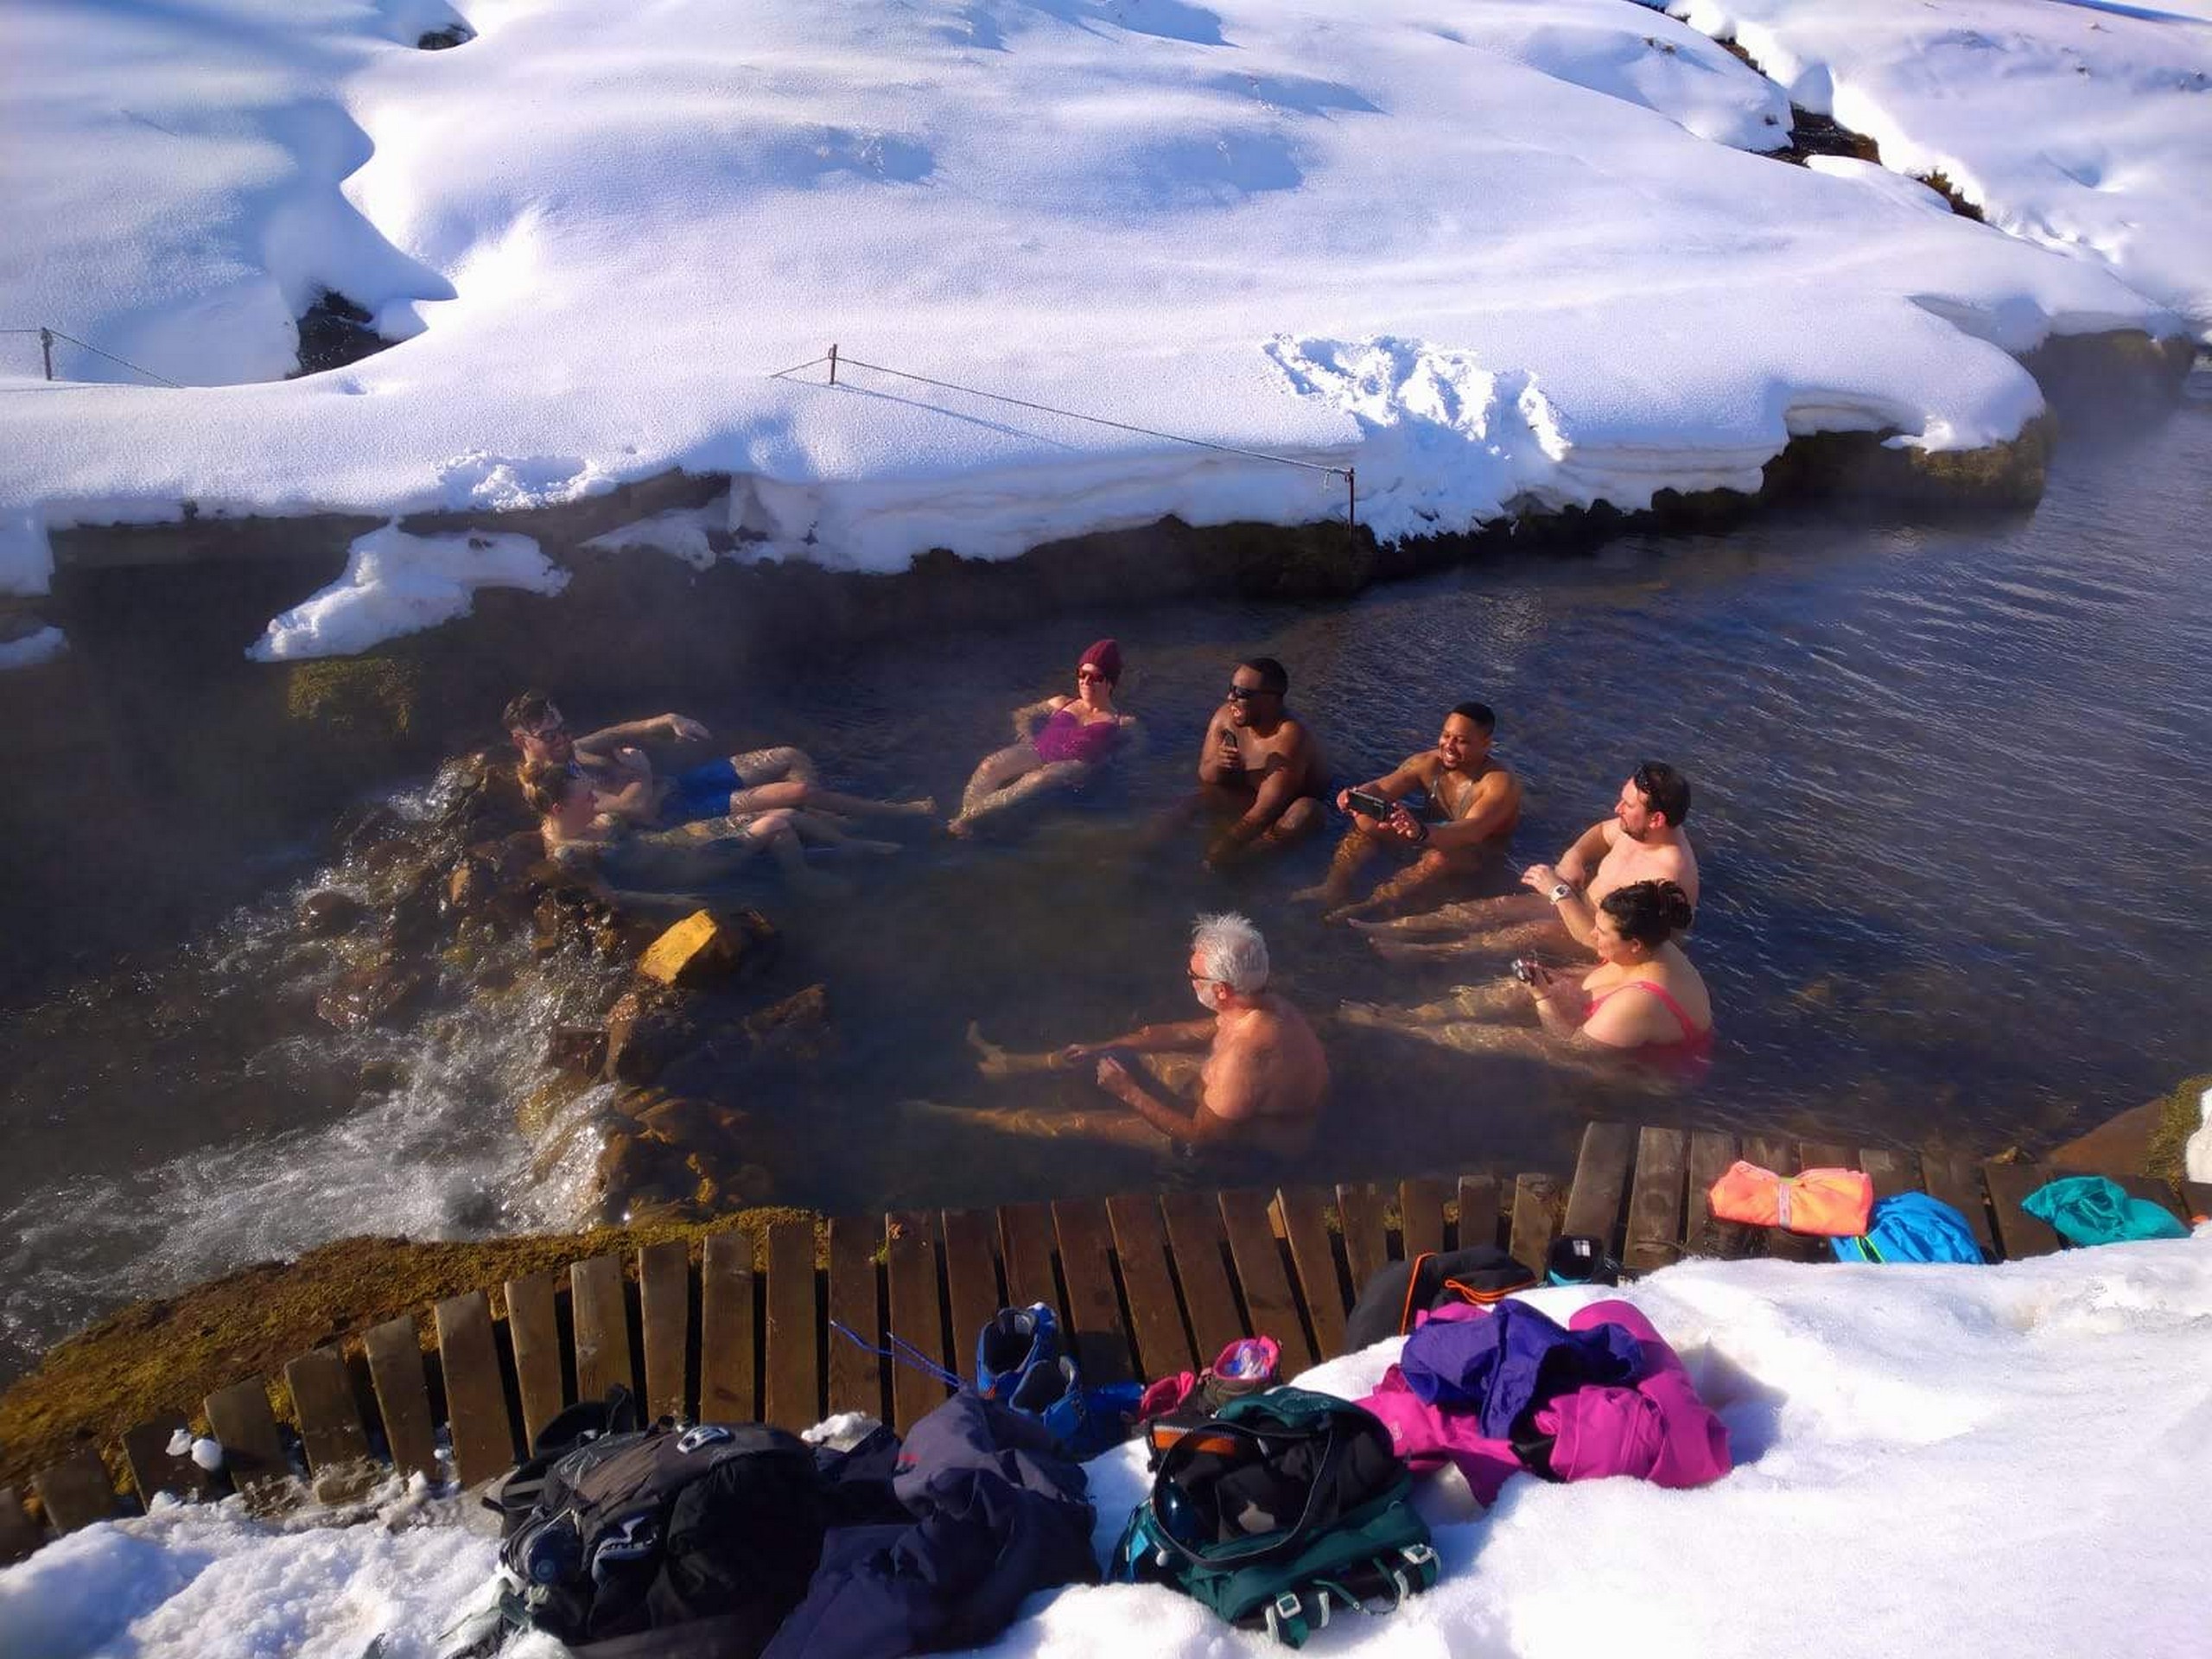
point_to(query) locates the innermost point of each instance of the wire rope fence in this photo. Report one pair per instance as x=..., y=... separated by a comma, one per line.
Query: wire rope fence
x=836, y=360
x=48, y=336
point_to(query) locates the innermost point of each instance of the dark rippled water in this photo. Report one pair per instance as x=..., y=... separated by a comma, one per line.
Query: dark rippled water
x=1952, y=786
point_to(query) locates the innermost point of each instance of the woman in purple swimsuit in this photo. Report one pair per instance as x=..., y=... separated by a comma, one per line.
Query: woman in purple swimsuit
x=1077, y=734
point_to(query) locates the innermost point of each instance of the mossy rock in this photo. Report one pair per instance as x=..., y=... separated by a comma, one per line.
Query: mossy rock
x=358, y=699
x=2178, y=1119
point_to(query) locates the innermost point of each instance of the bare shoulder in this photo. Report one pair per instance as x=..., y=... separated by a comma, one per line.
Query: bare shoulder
x=1058, y=703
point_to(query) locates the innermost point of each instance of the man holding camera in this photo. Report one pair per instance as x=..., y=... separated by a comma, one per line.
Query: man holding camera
x=1474, y=804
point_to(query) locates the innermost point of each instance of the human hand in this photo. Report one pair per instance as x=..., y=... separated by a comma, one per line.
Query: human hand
x=1540, y=878
x=1344, y=802
x=1113, y=1076
x=1406, y=827
x=683, y=729
x=1074, y=1055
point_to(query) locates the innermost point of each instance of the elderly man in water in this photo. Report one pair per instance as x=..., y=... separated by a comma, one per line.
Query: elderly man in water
x=1643, y=841
x=1474, y=804
x=614, y=763
x=1261, y=1081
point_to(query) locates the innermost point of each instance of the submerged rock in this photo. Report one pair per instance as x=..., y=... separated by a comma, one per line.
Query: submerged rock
x=328, y=913
x=370, y=994
x=648, y=1029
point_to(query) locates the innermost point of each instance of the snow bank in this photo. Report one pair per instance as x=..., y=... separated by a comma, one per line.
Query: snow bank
x=1517, y=251
x=1974, y=1462
x=396, y=583
x=2085, y=128
x=40, y=645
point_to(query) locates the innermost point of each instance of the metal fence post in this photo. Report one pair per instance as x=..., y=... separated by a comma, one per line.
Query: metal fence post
x=833, y=362
x=1351, y=497
x=45, y=349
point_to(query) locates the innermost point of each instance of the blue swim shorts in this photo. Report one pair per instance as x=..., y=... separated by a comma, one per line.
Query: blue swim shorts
x=702, y=792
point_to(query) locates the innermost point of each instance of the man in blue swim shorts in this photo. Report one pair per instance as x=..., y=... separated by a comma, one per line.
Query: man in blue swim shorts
x=622, y=777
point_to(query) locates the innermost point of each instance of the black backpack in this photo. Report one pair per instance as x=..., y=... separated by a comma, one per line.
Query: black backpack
x=663, y=1540
x=1481, y=1274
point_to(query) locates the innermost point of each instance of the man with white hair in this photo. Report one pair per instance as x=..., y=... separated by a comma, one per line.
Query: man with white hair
x=1264, y=1075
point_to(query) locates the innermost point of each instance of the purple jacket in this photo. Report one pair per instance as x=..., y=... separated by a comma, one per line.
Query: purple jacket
x=1654, y=1428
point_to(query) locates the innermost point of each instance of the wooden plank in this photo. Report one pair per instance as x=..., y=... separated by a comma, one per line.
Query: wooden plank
x=792, y=1397
x=253, y=1452
x=153, y=1470
x=329, y=1417
x=2197, y=1199
x=1477, y=1222
x=1163, y=1344
x=971, y=1280
x=2157, y=1191
x=664, y=1312
x=1273, y=1310
x=1026, y=1246
x=76, y=1491
x=19, y=1534
x=2020, y=1232
x=1098, y=1334
x=1195, y=1245
x=601, y=1315
x=1891, y=1170
x=395, y=1351
x=1711, y=1153
x=1825, y=1154
x=1779, y=1154
x=1536, y=1220
x=1421, y=1199
x=483, y=1433
x=1653, y=1237
x=1956, y=1179
x=725, y=1343
x=917, y=1315
x=1303, y=1210
x=1367, y=1244
x=1593, y=1202
x=856, y=1382
x=534, y=1328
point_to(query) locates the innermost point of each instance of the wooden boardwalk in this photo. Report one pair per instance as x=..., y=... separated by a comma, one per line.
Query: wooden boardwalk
x=1147, y=1284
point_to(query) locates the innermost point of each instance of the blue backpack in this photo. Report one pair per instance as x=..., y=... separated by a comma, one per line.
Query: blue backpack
x=1911, y=1227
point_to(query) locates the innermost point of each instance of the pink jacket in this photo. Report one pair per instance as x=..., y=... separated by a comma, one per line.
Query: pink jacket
x=1657, y=1429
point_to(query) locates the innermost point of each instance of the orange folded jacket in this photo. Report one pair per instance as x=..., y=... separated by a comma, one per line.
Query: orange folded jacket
x=1831, y=1202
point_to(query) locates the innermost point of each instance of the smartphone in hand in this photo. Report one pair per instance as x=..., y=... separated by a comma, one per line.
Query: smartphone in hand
x=1366, y=801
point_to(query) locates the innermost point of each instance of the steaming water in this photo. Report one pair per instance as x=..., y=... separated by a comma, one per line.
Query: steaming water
x=1951, y=784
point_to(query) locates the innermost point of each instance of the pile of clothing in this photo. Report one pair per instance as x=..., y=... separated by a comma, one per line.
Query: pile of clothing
x=1496, y=1391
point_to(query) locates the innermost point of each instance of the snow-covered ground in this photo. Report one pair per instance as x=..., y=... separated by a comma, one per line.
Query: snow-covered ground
x=2084, y=125
x=1508, y=251
x=2002, y=1461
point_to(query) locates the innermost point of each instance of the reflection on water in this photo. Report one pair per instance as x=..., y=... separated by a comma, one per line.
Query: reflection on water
x=1951, y=780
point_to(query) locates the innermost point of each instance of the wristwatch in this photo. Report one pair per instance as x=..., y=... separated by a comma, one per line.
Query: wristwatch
x=1559, y=890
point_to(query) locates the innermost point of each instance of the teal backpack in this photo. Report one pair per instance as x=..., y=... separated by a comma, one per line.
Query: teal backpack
x=1284, y=1508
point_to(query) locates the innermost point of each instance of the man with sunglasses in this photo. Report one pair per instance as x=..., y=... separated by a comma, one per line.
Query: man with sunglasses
x=1260, y=768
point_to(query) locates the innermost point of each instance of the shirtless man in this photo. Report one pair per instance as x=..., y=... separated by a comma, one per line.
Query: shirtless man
x=1261, y=1084
x=1260, y=768
x=621, y=774
x=1643, y=841
x=1474, y=804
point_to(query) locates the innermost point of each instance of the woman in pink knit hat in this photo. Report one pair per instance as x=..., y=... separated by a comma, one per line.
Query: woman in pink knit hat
x=1078, y=733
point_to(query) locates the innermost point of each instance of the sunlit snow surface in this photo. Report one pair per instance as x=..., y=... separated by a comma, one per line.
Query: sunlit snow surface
x=1965, y=1461
x=2084, y=125
x=1500, y=252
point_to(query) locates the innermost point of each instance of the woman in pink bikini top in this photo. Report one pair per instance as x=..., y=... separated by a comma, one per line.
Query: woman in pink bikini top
x=1077, y=734
x=1644, y=996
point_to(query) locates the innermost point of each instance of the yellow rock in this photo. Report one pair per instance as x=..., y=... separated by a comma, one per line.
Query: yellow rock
x=697, y=948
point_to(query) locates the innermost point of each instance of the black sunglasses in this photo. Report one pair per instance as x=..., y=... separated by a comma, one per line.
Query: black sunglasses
x=1246, y=693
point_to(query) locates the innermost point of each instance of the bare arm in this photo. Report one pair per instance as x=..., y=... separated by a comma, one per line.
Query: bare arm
x=1410, y=775
x=1278, y=789
x=1026, y=717
x=1176, y=1036
x=633, y=802
x=1196, y=1127
x=1219, y=758
x=1576, y=863
x=661, y=729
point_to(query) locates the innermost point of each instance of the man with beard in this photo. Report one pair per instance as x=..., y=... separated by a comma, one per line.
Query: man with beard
x=1643, y=841
x=1474, y=804
x=1260, y=1084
